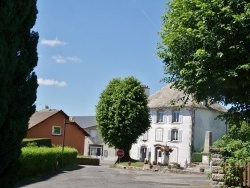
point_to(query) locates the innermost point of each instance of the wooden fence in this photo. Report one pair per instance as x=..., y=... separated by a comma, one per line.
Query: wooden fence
x=242, y=174
x=245, y=179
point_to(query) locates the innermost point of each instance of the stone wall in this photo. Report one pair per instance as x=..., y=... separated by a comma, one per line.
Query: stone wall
x=217, y=172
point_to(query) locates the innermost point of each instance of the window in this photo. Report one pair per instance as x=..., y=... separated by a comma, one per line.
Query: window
x=176, y=116
x=159, y=116
x=56, y=130
x=158, y=134
x=144, y=137
x=174, y=134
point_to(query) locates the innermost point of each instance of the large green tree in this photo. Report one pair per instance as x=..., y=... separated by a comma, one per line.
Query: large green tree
x=206, y=51
x=18, y=82
x=122, y=113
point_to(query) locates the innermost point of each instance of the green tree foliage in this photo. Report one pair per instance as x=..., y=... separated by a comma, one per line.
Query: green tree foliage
x=205, y=48
x=235, y=148
x=18, y=82
x=122, y=113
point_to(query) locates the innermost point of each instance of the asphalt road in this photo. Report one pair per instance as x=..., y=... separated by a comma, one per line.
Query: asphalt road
x=105, y=177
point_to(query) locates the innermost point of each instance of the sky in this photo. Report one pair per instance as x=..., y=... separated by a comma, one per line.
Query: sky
x=84, y=44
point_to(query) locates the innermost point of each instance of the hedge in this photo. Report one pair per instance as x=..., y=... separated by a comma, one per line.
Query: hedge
x=40, y=160
x=196, y=157
x=39, y=142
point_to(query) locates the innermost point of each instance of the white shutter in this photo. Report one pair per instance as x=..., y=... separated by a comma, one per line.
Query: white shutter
x=181, y=117
x=139, y=153
x=145, y=136
x=158, y=134
x=170, y=118
x=153, y=116
x=180, y=135
x=165, y=116
x=169, y=135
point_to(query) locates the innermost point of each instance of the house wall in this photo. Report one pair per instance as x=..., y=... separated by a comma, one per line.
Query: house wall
x=74, y=137
x=192, y=127
x=181, y=148
x=205, y=120
x=107, y=153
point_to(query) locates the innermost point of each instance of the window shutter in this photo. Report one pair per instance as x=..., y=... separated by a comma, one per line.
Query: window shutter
x=139, y=153
x=165, y=117
x=145, y=136
x=181, y=117
x=158, y=135
x=180, y=135
x=170, y=118
x=154, y=116
x=169, y=135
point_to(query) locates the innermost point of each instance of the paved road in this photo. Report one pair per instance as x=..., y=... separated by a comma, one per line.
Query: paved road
x=105, y=177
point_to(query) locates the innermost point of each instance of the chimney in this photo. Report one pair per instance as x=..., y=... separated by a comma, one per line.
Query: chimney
x=146, y=89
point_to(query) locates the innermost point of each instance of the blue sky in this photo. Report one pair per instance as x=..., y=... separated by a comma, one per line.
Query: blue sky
x=83, y=44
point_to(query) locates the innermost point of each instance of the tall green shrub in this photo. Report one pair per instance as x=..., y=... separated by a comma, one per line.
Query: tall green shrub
x=18, y=82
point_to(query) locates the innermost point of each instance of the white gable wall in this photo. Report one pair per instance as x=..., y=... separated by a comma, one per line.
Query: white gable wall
x=205, y=120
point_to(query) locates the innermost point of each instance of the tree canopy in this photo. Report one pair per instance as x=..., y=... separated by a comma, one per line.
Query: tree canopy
x=205, y=48
x=18, y=82
x=122, y=113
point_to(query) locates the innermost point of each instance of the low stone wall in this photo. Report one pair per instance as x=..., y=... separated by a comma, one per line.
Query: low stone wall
x=88, y=161
x=217, y=172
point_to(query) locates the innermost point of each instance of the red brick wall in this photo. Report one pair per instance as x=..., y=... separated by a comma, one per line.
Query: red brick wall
x=74, y=137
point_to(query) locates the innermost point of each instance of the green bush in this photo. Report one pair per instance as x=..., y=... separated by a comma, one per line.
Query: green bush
x=196, y=157
x=46, y=142
x=41, y=160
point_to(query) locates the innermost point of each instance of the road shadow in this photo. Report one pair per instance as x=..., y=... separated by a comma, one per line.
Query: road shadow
x=47, y=176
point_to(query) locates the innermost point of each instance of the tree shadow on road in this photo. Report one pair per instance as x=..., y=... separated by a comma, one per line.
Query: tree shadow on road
x=47, y=176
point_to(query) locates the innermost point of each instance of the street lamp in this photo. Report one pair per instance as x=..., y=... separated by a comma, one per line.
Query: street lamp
x=71, y=120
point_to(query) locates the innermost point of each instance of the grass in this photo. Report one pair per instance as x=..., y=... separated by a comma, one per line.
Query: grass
x=81, y=157
x=135, y=164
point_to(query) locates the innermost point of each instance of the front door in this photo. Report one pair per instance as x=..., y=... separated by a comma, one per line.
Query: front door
x=159, y=156
x=143, y=153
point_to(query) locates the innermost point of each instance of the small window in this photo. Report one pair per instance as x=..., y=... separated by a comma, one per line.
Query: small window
x=159, y=116
x=174, y=135
x=158, y=134
x=176, y=116
x=56, y=130
x=144, y=137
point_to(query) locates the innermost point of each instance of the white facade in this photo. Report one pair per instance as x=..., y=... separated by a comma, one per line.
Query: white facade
x=181, y=130
x=181, y=127
x=94, y=146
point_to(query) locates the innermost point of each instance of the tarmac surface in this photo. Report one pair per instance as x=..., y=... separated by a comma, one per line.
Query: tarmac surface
x=106, y=177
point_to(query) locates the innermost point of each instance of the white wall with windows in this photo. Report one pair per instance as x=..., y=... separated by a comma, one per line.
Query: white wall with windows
x=178, y=129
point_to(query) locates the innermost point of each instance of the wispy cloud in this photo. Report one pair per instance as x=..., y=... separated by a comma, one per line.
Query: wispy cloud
x=60, y=59
x=53, y=42
x=51, y=82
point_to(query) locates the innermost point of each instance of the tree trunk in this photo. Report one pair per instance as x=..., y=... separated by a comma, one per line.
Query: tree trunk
x=126, y=156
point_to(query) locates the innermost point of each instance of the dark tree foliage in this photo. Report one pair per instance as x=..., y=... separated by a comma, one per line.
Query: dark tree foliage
x=206, y=52
x=18, y=82
x=122, y=113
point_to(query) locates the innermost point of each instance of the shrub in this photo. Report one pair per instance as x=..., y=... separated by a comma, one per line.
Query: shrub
x=40, y=160
x=39, y=142
x=196, y=157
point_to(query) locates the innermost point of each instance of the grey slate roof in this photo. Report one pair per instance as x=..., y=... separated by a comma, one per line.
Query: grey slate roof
x=165, y=96
x=40, y=116
x=85, y=121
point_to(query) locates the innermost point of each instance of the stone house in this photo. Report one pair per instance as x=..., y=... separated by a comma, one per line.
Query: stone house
x=180, y=127
x=50, y=123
